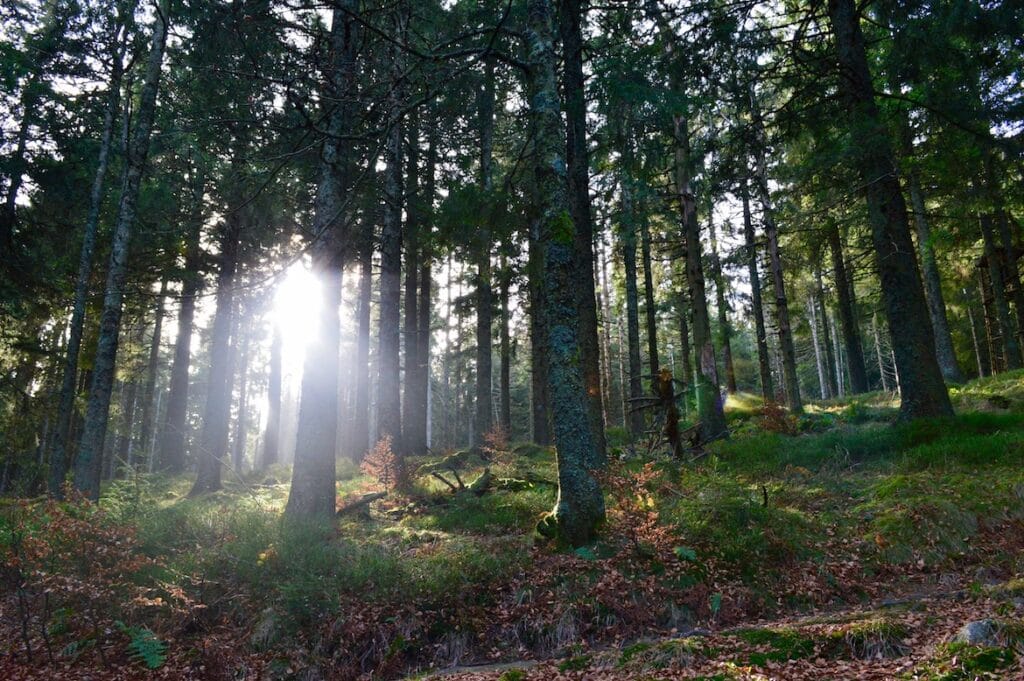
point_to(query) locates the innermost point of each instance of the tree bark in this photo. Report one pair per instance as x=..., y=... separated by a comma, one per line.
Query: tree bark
x=570, y=28
x=580, y=505
x=650, y=307
x=923, y=391
x=709, y=399
x=90, y=455
x=540, y=409
x=763, y=359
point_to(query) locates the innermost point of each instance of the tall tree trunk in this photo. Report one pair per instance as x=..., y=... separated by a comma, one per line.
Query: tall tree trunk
x=59, y=437
x=242, y=420
x=172, y=431
x=840, y=377
x=685, y=352
x=847, y=314
x=213, y=434
x=763, y=359
x=878, y=353
x=570, y=28
x=706, y=388
x=580, y=505
x=819, y=359
x=982, y=361
x=540, y=409
x=313, y=489
x=272, y=433
x=389, y=417
x=771, y=231
x=417, y=417
x=90, y=455
x=627, y=237
x=996, y=359
x=830, y=355
x=484, y=302
x=650, y=307
x=505, y=341
x=944, y=353
x=152, y=369
x=923, y=390
x=724, y=328
x=611, y=397
x=993, y=262
x=410, y=243
x=360, y=432
x=1012, y=272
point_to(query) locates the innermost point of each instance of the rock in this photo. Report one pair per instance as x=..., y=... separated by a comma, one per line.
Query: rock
x=1018, y=603
x=270, y=482
x=979, y=633
x=984, y=575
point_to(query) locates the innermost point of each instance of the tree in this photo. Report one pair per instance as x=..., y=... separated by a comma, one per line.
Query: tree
x=580, y=506
x=922, y=388
x=88, y=465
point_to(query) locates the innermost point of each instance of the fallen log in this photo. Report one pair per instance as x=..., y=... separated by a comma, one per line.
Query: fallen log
x=363, y=502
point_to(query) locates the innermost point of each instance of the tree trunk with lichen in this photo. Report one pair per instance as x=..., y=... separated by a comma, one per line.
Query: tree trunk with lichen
x=580, y=505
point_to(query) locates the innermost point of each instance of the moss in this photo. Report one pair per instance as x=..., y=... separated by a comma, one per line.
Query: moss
x=563, y=231
x=678, y=652
x=871, y=639
x=512, y=675
x=959, y=662
x=782, y=644
x=576, y=663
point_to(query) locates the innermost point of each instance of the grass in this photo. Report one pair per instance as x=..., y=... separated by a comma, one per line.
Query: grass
x=853, y=486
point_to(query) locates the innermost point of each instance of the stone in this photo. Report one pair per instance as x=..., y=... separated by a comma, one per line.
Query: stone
x=979, y=633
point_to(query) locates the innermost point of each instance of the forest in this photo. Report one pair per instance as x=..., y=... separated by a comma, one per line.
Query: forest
x=511, y=339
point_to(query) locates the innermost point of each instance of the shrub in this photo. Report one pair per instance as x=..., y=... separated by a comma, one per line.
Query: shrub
x=387, y=467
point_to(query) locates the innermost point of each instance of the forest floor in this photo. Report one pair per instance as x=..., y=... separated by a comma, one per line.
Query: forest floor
x=838, y=545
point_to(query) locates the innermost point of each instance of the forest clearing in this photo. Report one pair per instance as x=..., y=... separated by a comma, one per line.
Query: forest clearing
x=511, y=339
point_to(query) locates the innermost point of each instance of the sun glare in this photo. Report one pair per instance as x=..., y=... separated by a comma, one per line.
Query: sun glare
x=295, y=312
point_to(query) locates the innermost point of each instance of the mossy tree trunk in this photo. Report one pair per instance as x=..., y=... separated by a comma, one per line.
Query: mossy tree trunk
x=580, y=505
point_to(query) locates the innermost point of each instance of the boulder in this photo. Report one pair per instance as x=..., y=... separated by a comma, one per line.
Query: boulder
x=979, y=633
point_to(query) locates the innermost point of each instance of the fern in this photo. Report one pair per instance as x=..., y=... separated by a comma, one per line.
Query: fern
x=144, y=646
